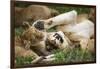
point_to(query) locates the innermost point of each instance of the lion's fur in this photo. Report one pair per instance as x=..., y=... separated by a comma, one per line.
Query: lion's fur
x=33, y=13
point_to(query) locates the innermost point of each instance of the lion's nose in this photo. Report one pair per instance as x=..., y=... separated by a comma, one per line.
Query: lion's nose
x=39, y=25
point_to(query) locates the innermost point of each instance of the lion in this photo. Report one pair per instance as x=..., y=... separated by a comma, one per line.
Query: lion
x=57, y=40
x=77, y=28
x=64, y=18
x=31, y=44
x=81, y=33
x=33, y=13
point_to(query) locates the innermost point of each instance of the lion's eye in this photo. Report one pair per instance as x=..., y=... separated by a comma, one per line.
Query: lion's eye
x=58, y=37
x=55, y=35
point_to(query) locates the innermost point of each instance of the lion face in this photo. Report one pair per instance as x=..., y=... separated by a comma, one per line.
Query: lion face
x=54, y=41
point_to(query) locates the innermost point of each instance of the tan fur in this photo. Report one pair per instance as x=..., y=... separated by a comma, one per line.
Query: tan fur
x=82, y=17
x=33, y=39
x=18, y=18
x=33, y=35
x=92, y=15
x=83, y=36
x=22, y=52
x=56, y=43
x=88, y=44
x=33, y=13
x=91, y=45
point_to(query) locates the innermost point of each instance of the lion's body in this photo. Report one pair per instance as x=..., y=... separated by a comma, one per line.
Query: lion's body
x=33, y=13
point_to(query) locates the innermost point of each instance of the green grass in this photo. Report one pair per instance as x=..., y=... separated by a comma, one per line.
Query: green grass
x=63, y=9
x=23, y=60
x=18, y=31
x=74, y=55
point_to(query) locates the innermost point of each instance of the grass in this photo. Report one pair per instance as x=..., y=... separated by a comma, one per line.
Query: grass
x=23, y=60
x=75, y=55
x=79, y=9
x=18, y=31
x=68, y=56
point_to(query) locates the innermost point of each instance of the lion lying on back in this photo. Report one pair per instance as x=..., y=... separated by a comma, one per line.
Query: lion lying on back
x=36, y=41
x=80, y=31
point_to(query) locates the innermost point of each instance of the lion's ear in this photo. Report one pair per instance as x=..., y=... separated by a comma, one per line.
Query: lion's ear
x=26, y=25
